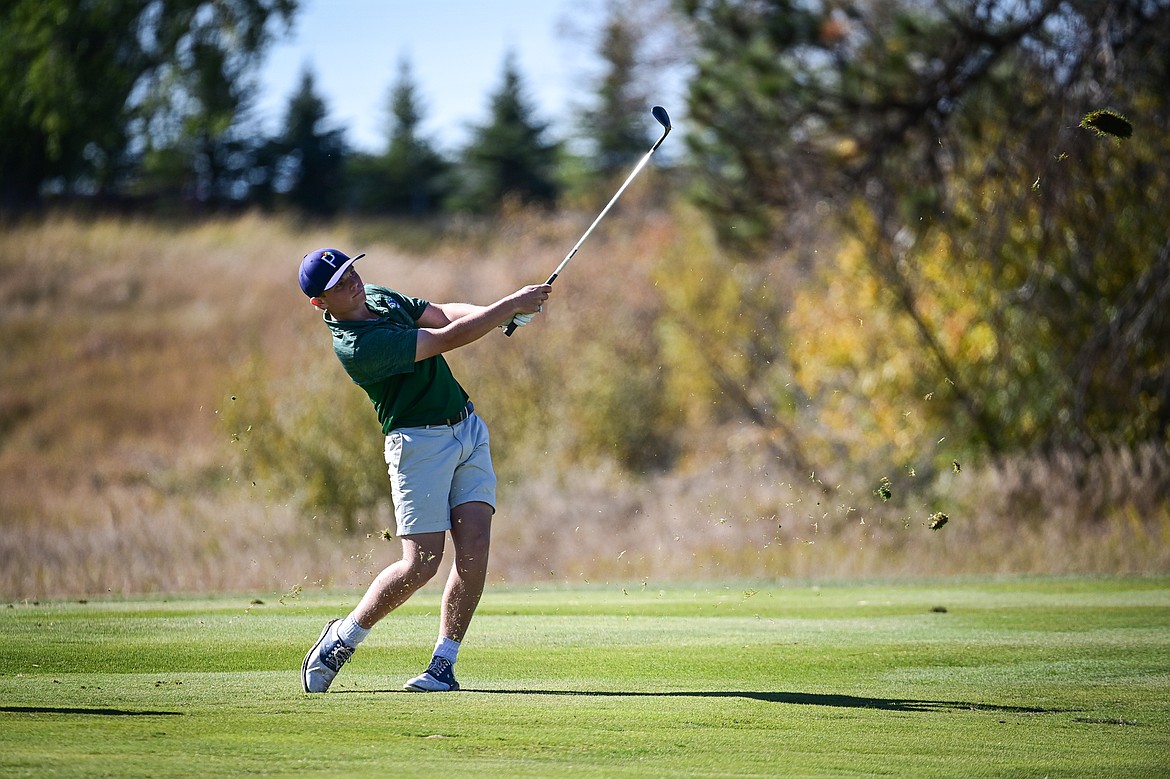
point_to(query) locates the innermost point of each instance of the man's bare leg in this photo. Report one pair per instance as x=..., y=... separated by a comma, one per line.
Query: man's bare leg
x=471, y=530
x=421, y=556
x=471, y=525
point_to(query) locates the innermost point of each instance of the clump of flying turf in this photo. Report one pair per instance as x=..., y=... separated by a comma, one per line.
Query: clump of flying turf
x=1106, y=122
x=883, y=490
x=937, y=520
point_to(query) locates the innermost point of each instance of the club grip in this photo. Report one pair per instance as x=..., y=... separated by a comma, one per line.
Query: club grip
x=511, y=328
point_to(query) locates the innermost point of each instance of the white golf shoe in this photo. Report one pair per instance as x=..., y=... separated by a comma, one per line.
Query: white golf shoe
x=324, y=660
x=439, y=677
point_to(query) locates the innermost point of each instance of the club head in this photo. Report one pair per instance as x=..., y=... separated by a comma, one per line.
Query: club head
x=660, y=114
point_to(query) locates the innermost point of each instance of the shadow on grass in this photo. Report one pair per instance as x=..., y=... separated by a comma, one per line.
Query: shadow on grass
x=798, y=698
x=92, y=712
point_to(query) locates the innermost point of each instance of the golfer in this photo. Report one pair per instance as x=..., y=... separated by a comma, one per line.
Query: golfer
x=441, y=474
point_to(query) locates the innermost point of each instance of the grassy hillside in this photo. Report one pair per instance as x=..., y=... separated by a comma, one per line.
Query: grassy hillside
x=169, y=397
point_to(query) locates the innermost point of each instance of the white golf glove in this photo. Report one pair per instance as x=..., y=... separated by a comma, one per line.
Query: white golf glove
x=522, y=319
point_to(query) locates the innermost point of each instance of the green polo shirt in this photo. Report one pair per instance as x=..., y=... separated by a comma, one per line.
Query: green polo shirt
x=379, y=356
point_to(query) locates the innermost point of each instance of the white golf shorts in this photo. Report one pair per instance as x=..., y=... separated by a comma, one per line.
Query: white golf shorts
x=433, y=469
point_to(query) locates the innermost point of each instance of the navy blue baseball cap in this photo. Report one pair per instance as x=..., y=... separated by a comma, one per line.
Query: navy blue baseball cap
x=322, y=269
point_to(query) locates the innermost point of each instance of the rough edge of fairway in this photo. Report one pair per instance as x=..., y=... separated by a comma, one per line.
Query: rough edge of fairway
x=433, y=591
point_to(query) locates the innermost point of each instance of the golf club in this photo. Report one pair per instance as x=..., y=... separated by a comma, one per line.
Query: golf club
x=663, y=119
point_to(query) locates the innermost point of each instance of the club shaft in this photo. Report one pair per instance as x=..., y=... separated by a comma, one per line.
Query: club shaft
x=511, y=328
x=641, y=164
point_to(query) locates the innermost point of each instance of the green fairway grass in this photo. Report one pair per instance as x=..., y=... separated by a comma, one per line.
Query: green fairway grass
x=1018, y=678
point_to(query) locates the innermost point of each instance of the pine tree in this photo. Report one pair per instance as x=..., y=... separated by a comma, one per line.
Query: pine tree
x=311, y=171
x=617, y=124
x=415, y=171
x=509, y=158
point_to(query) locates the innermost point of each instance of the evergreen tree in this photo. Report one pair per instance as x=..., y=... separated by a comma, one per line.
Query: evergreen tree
x=509, y=158
x=415, y=171
x=310, y=173
x=618, y=123
x=410, y=177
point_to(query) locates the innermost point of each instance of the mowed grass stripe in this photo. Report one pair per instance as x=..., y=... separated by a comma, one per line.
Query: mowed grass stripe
x=1061, y=677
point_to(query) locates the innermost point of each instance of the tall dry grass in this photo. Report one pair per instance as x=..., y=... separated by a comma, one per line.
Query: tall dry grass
x=126, y=344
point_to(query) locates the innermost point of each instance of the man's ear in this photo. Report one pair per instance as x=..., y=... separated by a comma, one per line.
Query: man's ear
x=318, y=303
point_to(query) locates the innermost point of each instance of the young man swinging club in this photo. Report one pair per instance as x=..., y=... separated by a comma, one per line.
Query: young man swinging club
x=440, y=468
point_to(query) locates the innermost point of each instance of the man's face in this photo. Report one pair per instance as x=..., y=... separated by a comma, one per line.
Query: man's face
x=346, y=297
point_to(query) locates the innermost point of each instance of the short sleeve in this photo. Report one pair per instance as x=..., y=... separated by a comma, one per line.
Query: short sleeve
x=382, y=352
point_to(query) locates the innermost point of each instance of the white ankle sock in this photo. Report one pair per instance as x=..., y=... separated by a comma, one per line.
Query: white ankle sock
x=349, y=631
x=447, y=648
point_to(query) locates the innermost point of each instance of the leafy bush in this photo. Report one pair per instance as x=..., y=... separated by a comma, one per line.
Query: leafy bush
x=314, y=437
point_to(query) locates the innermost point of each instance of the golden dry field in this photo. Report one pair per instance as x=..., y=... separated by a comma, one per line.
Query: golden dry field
x=172, y=419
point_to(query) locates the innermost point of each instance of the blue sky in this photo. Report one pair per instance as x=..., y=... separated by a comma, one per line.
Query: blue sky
x=456, y=49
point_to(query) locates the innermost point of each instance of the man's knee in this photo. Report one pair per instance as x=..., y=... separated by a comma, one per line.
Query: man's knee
x=475, y=538
x=422, y=563
x=471, y=539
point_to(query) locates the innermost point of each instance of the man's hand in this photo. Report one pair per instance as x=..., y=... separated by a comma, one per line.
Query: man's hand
x=529, y=300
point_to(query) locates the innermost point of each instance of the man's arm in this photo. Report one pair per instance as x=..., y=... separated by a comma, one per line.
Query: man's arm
x=438, y=315
x=448, y=326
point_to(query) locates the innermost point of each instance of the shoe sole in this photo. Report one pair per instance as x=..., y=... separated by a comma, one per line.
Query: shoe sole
x=412, y=687
x=316, y=648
